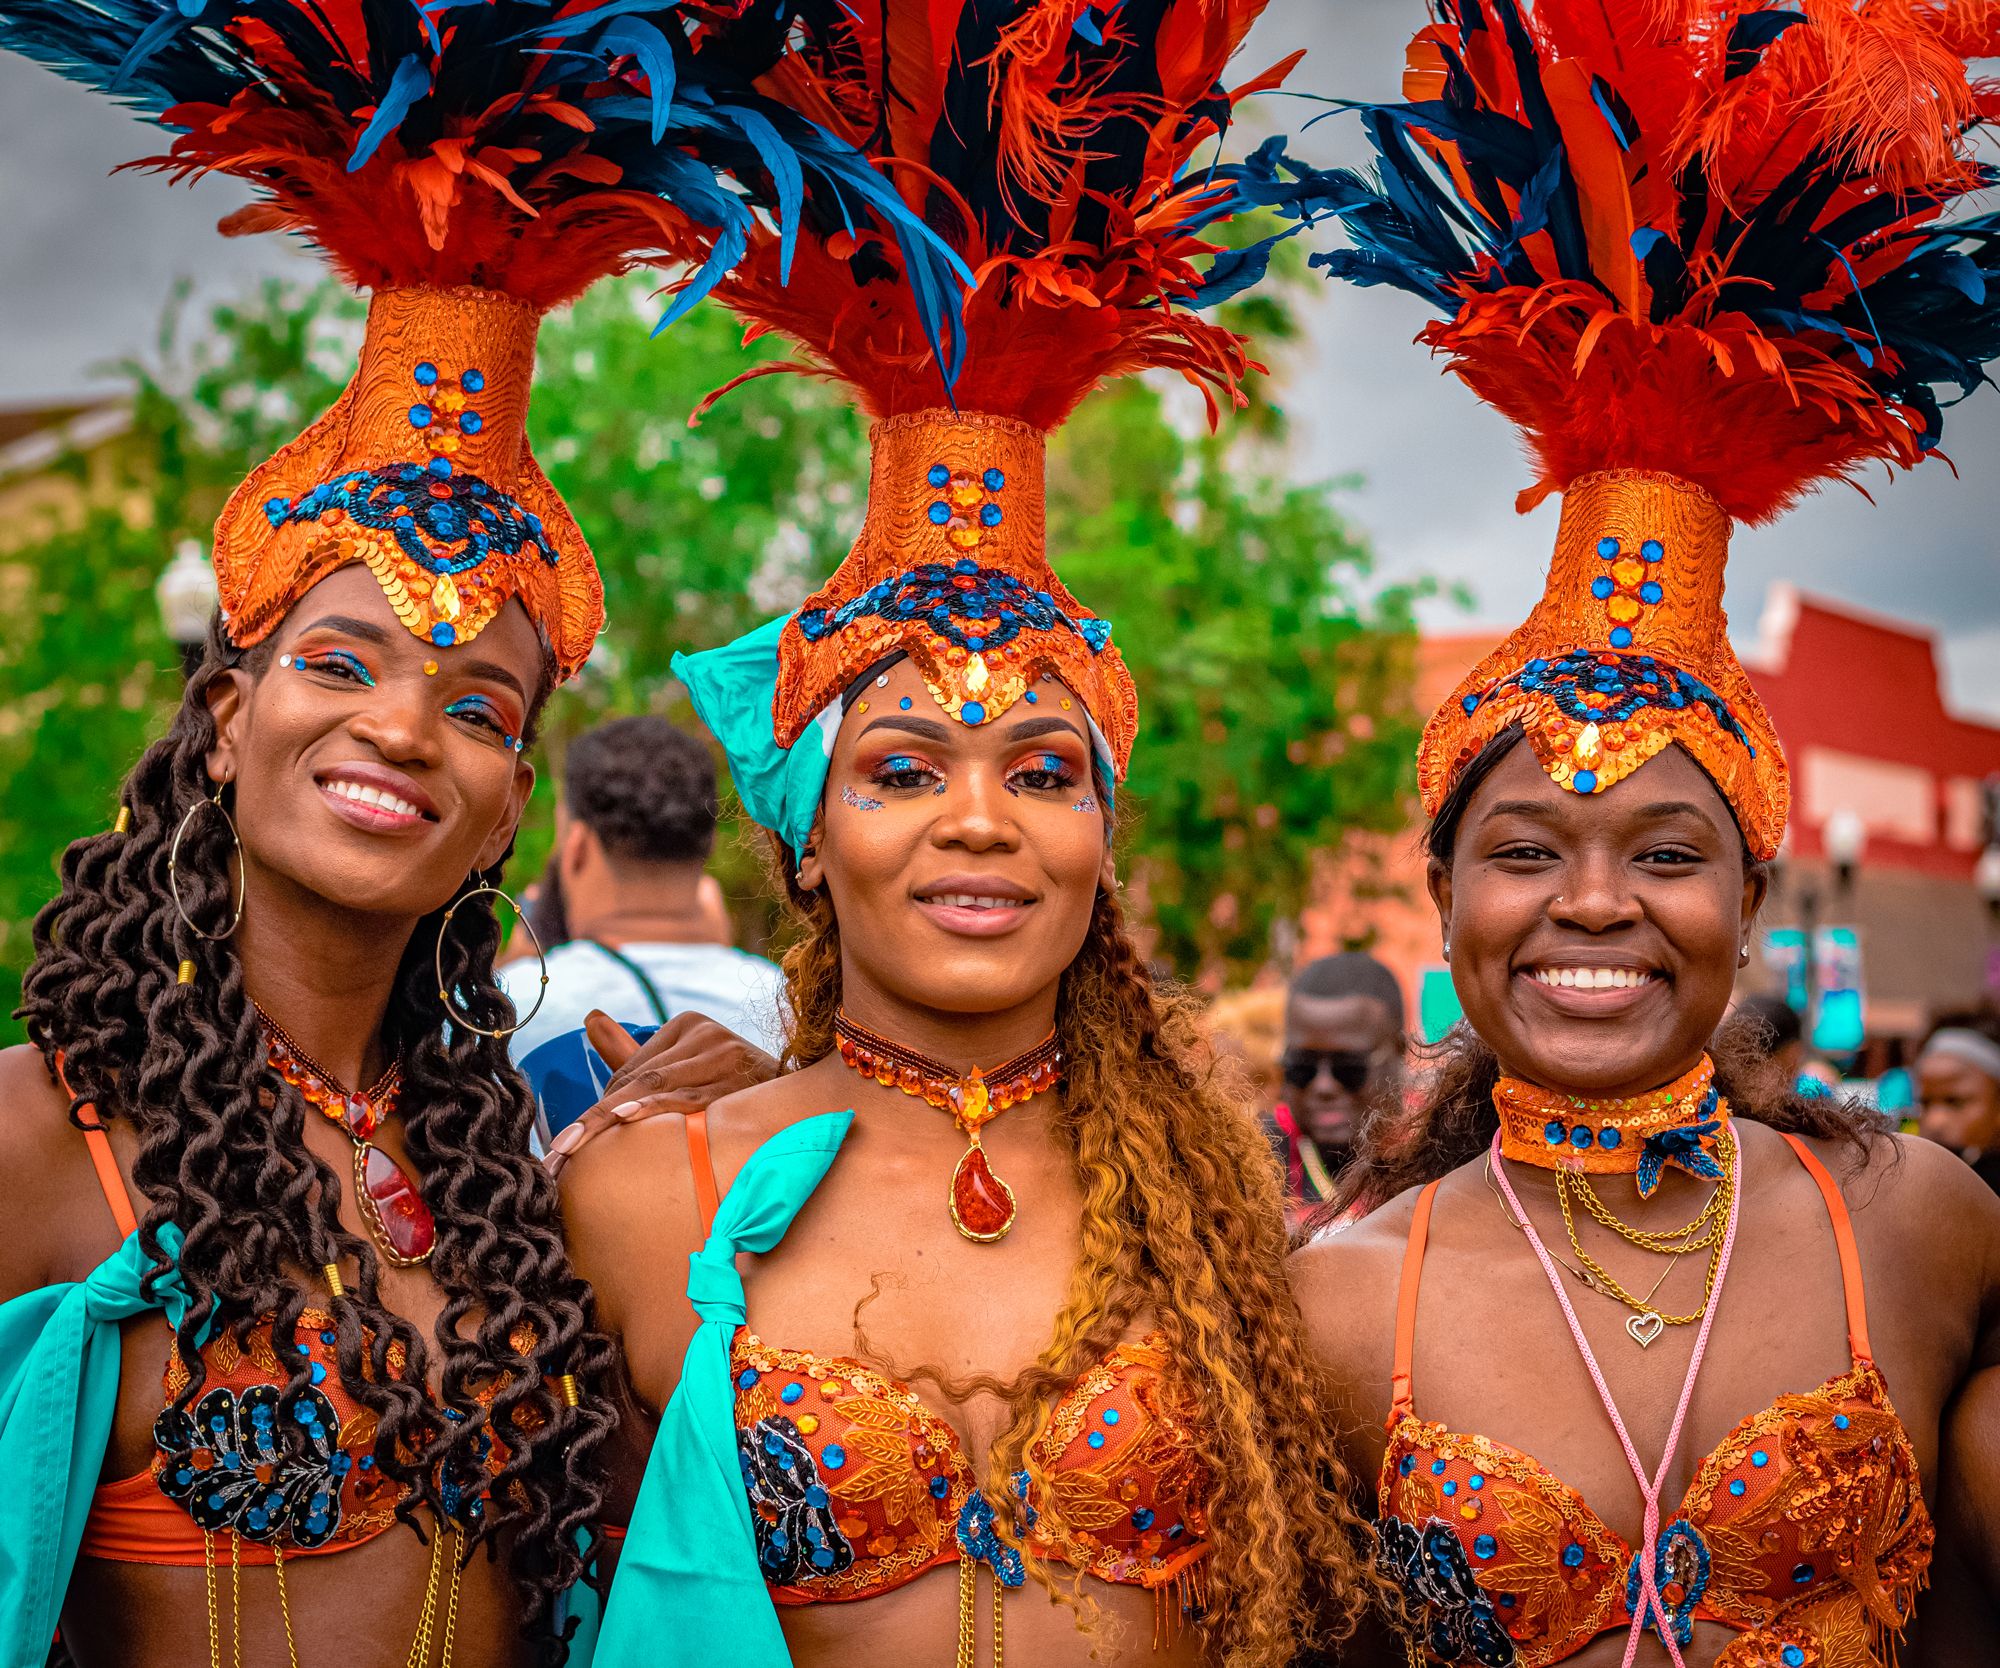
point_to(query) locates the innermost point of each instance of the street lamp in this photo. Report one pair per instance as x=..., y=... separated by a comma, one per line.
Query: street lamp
x=1986, y=879
x=185, y=592
x=1844, y=836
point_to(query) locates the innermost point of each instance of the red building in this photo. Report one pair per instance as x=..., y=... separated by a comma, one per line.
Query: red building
x=1858, y=703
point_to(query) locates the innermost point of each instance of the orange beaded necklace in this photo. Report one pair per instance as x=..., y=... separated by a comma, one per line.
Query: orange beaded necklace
x=982, y=1205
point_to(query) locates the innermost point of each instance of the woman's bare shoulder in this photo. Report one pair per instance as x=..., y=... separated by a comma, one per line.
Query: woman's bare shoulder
x=59, y=1224
x=1345, y=1279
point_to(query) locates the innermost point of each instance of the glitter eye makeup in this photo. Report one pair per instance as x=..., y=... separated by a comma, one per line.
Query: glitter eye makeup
x=860, y=802
x=335, y=662
x=1087, y=803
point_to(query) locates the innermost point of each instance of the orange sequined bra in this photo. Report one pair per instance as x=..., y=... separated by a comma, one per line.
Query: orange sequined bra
x=1805, y=1531
x=856, y=1487
x=220, y=1468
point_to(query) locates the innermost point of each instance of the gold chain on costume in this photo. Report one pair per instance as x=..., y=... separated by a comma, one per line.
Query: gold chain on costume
x=427, y=1632
x=968, y=1606
x=1705, y=1232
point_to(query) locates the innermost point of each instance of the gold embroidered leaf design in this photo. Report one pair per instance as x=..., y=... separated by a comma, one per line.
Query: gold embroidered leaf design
x=264, y=1358
x=885, y=1474
x=223, y=1354
x=359, y=1431
x=1530, y=1566
x=754, y=1404
x=1080, y=1500
x=872, y=1413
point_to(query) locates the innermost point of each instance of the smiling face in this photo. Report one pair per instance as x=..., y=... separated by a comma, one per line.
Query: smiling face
x=1595, y=937
x=372, y=770
x=963, y=862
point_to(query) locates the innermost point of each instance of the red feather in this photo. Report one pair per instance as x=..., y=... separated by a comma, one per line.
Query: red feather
x=1053, y=315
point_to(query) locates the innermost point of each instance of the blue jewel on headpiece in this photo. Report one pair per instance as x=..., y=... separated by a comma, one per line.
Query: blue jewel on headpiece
x=472, y=382
x=1682, y=1147
x=994, y=480
x=938, y=475
x=1096, y=633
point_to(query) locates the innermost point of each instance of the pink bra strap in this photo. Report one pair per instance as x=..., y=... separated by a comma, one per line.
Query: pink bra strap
x=1850, y=1257
x=1650, y=1603
x=1406, y=1306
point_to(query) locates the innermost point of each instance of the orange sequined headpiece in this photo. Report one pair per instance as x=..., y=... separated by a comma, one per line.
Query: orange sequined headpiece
x=473, y=167
x=1694, y=251
x=1626, y=653
x=421, y=471
x=1084, y=246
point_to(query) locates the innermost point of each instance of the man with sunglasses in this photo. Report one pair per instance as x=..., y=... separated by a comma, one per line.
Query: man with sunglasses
x=1343, y=1053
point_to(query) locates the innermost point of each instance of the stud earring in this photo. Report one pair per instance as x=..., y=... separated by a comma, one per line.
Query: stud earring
x=1447, y=949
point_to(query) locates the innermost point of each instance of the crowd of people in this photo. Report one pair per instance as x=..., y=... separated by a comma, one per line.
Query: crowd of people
x=948, y=1290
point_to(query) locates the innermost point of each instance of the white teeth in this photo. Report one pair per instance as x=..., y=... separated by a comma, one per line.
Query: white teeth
x=363, y=794
x=968, y=900
x=1592, y=978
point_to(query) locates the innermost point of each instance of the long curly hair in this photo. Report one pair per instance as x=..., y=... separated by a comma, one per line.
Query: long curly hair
x=222, y=1157
x=1453, y=1121
x=1183, y=1225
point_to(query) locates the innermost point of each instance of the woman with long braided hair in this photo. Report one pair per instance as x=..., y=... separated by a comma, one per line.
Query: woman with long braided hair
x=268, y=1044
x=1024, y=1376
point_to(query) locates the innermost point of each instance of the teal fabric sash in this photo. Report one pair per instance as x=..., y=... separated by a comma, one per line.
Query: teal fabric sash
x=59, y=1358
x=688, y=1592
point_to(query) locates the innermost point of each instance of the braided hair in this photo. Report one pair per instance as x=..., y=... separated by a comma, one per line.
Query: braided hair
x=222, y=1157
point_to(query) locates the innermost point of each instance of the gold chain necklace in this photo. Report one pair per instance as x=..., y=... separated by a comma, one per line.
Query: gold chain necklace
x=1706, y=1232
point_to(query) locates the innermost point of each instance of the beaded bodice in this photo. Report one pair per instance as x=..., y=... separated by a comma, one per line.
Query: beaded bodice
x=857, y=1487
x=1805, y=1530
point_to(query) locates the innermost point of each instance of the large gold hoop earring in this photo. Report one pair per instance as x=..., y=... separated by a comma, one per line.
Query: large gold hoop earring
x=534, y=938
x=173, y=858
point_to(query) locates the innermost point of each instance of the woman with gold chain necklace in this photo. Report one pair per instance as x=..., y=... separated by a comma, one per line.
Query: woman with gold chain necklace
x=268, y=1144
x=1623, y=1334
x=985, y=1353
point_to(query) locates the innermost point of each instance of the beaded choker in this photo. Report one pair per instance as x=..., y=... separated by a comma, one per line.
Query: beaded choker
x=982, y=1205
x=393, y=1210
x=1678, y=1125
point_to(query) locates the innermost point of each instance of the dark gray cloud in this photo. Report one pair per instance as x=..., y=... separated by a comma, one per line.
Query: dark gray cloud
x=87, y=259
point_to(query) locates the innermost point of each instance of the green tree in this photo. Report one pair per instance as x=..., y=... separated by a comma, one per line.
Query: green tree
x=1272, y=672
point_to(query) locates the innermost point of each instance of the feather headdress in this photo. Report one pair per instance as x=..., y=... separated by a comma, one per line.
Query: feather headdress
x=474, y=163
x=1694, y=250
x=1052, y=144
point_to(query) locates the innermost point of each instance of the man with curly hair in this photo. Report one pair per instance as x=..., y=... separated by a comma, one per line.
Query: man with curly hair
x=647, y=933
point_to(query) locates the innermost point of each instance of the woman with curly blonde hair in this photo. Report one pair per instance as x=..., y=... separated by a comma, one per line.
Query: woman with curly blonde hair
x=1017, y=1308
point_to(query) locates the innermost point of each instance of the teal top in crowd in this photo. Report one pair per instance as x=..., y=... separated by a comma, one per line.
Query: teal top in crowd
x=59, y=1359
x=689, y=1592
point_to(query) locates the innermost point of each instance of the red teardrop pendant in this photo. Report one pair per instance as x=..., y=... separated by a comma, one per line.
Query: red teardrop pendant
x=982, y=1205
x=403, y=1224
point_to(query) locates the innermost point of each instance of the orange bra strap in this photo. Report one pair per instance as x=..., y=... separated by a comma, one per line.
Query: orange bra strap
x=1406, y=1303
x=102, y=1160
x=1850, y=1257
x=707, y=1199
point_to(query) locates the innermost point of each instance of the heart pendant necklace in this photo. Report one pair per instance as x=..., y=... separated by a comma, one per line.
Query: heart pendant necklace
x=982, y=1205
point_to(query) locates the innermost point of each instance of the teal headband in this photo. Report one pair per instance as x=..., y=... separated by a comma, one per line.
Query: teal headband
x=734, y=690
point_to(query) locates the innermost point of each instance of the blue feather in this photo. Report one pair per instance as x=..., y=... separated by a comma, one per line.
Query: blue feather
x=410, y=83
x=649, y=46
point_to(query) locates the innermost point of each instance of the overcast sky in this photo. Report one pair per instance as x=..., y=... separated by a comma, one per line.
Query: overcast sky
x=86, y=260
